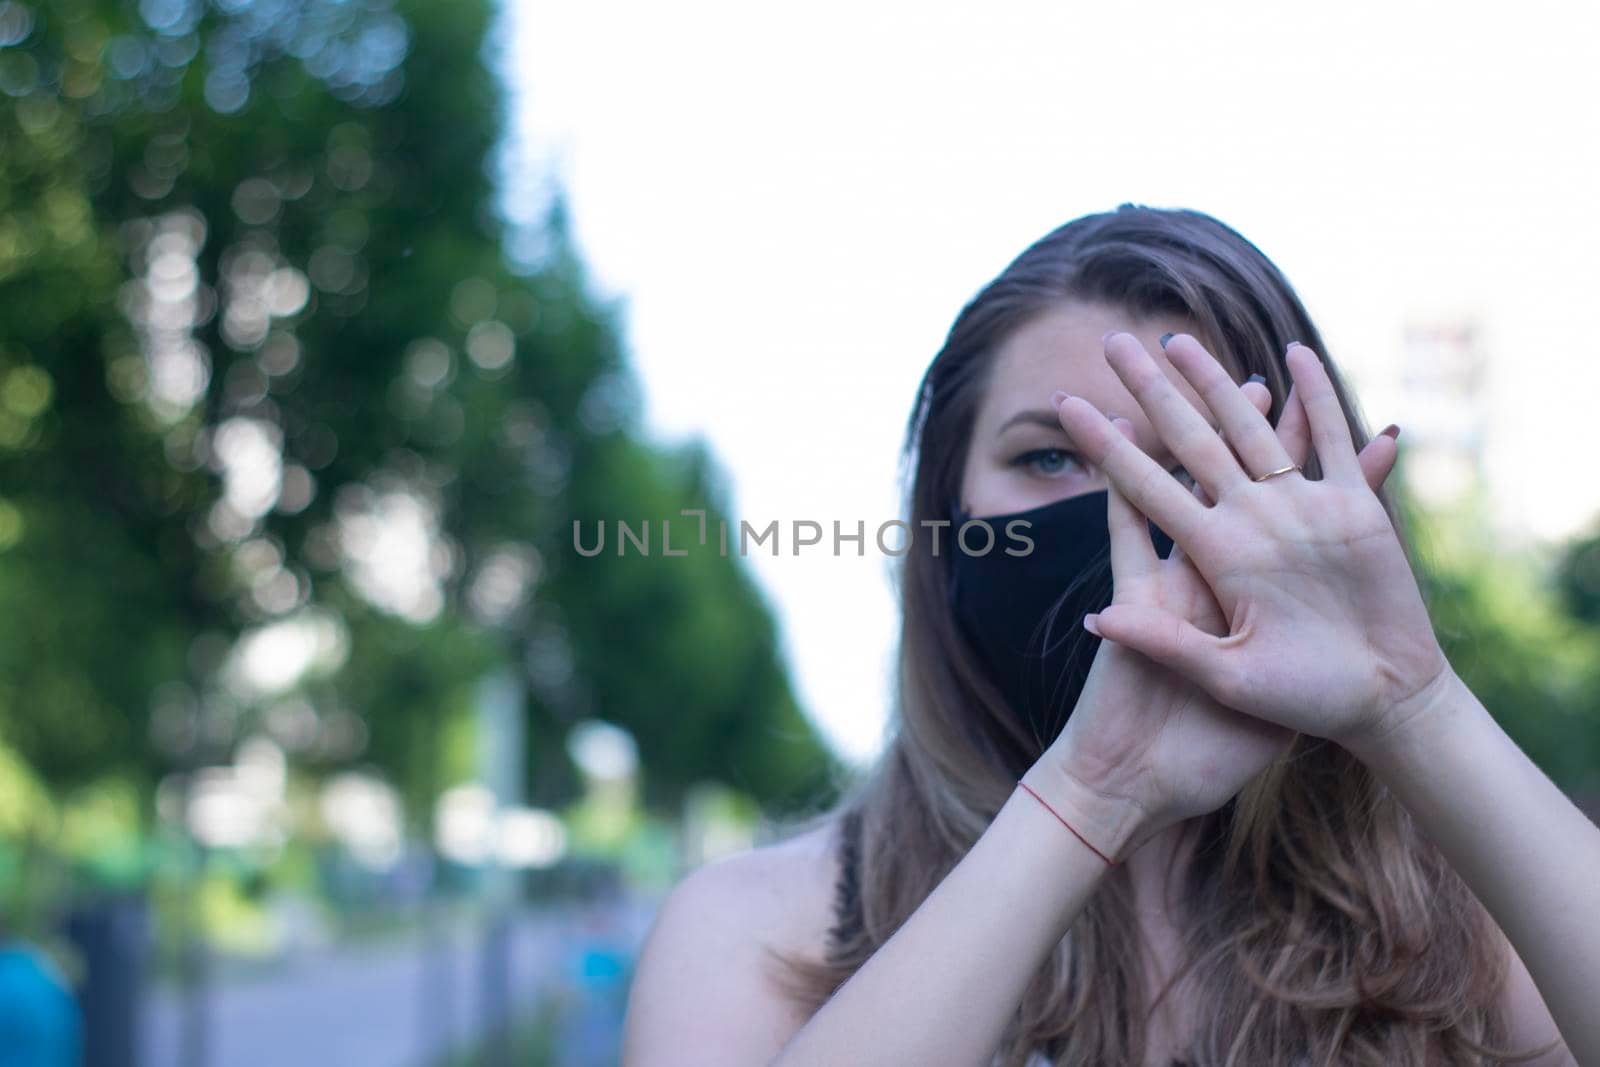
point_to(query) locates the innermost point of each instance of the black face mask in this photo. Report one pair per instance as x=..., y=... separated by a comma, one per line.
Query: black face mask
x=1023, y=614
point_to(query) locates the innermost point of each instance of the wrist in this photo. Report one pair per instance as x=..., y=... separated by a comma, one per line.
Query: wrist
x=1407, y=725
x=1109, y=824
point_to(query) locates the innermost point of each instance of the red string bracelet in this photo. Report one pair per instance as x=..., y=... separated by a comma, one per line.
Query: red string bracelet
x=1109, y=861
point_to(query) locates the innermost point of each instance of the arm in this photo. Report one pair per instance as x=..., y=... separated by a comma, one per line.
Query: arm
x=944, y=986
x=1522, y=846
x=940, y=990
x=1138, y=754
x=1328, y=634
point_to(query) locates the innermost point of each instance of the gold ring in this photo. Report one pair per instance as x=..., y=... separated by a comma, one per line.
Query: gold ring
x=1274, y=474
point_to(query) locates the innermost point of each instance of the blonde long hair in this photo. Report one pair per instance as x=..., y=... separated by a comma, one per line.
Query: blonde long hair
x=1321, y=926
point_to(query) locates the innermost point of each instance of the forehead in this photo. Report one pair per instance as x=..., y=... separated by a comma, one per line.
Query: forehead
x=1061, y=349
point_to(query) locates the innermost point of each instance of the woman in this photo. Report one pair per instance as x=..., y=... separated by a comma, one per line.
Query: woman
x=1253, y=825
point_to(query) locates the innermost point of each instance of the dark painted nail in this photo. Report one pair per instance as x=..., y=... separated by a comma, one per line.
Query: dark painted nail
x=1166, y=337
x=1391, y=431
x=1256, y=378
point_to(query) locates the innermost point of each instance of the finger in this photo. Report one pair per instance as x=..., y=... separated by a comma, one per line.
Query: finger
x=1199, y=492
x=1259, y=395
x=1378, y=458
x=1247, y=430
x=1185, y=432
x=1255, y=390
x=1174, y=643
x=1293, y=429
x=1133, y=553
x=1148, y=487
x=1330, y=433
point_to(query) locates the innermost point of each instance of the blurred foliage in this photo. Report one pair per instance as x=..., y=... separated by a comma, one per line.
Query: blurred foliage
x=1504, y=616
x=673, y=611
x=260, y=327
x=1579, y=579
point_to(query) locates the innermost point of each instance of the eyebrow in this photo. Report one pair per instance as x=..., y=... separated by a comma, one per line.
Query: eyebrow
x=1036, y=416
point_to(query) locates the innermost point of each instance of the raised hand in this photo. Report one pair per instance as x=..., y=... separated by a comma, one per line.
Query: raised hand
x=1142, y=732
x=1326, y=632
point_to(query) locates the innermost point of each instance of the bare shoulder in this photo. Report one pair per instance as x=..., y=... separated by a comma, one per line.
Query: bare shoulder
x=704, y=991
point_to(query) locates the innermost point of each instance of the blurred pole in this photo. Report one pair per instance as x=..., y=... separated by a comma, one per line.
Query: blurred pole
x=436, y=1013
x=495, y=971
x=194, y=968
x=500, y=763
x=112, y=934
x=193, y=964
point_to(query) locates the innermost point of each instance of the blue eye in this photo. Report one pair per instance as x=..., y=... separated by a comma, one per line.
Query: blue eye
x=1048, y=460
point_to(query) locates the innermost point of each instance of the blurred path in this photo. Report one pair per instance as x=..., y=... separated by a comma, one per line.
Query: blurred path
x=361, y=1005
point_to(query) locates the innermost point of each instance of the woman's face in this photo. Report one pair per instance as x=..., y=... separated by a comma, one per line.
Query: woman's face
x=1020, y=457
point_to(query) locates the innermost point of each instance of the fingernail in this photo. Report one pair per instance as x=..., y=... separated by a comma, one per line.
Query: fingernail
x=1108, y=335
x=1057, y=398
x=1092, y=624
x=1166, y=337
x=1288, y=346
x=1256, y=378
x=1390, y=431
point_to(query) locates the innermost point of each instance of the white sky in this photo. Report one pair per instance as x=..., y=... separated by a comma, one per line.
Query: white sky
x=796, y=203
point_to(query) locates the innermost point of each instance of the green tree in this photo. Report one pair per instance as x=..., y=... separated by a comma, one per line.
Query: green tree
x=265, y=365
x=1511, y=635
x=1578, y=576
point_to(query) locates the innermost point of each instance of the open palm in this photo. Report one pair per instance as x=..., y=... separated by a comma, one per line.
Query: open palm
x=1146, y=732
x=1326, y=629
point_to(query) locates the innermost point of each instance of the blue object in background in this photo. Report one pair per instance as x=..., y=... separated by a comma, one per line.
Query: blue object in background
x=603, y=967
x=599, y=962
x=111, y=935
x=39, y=1021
